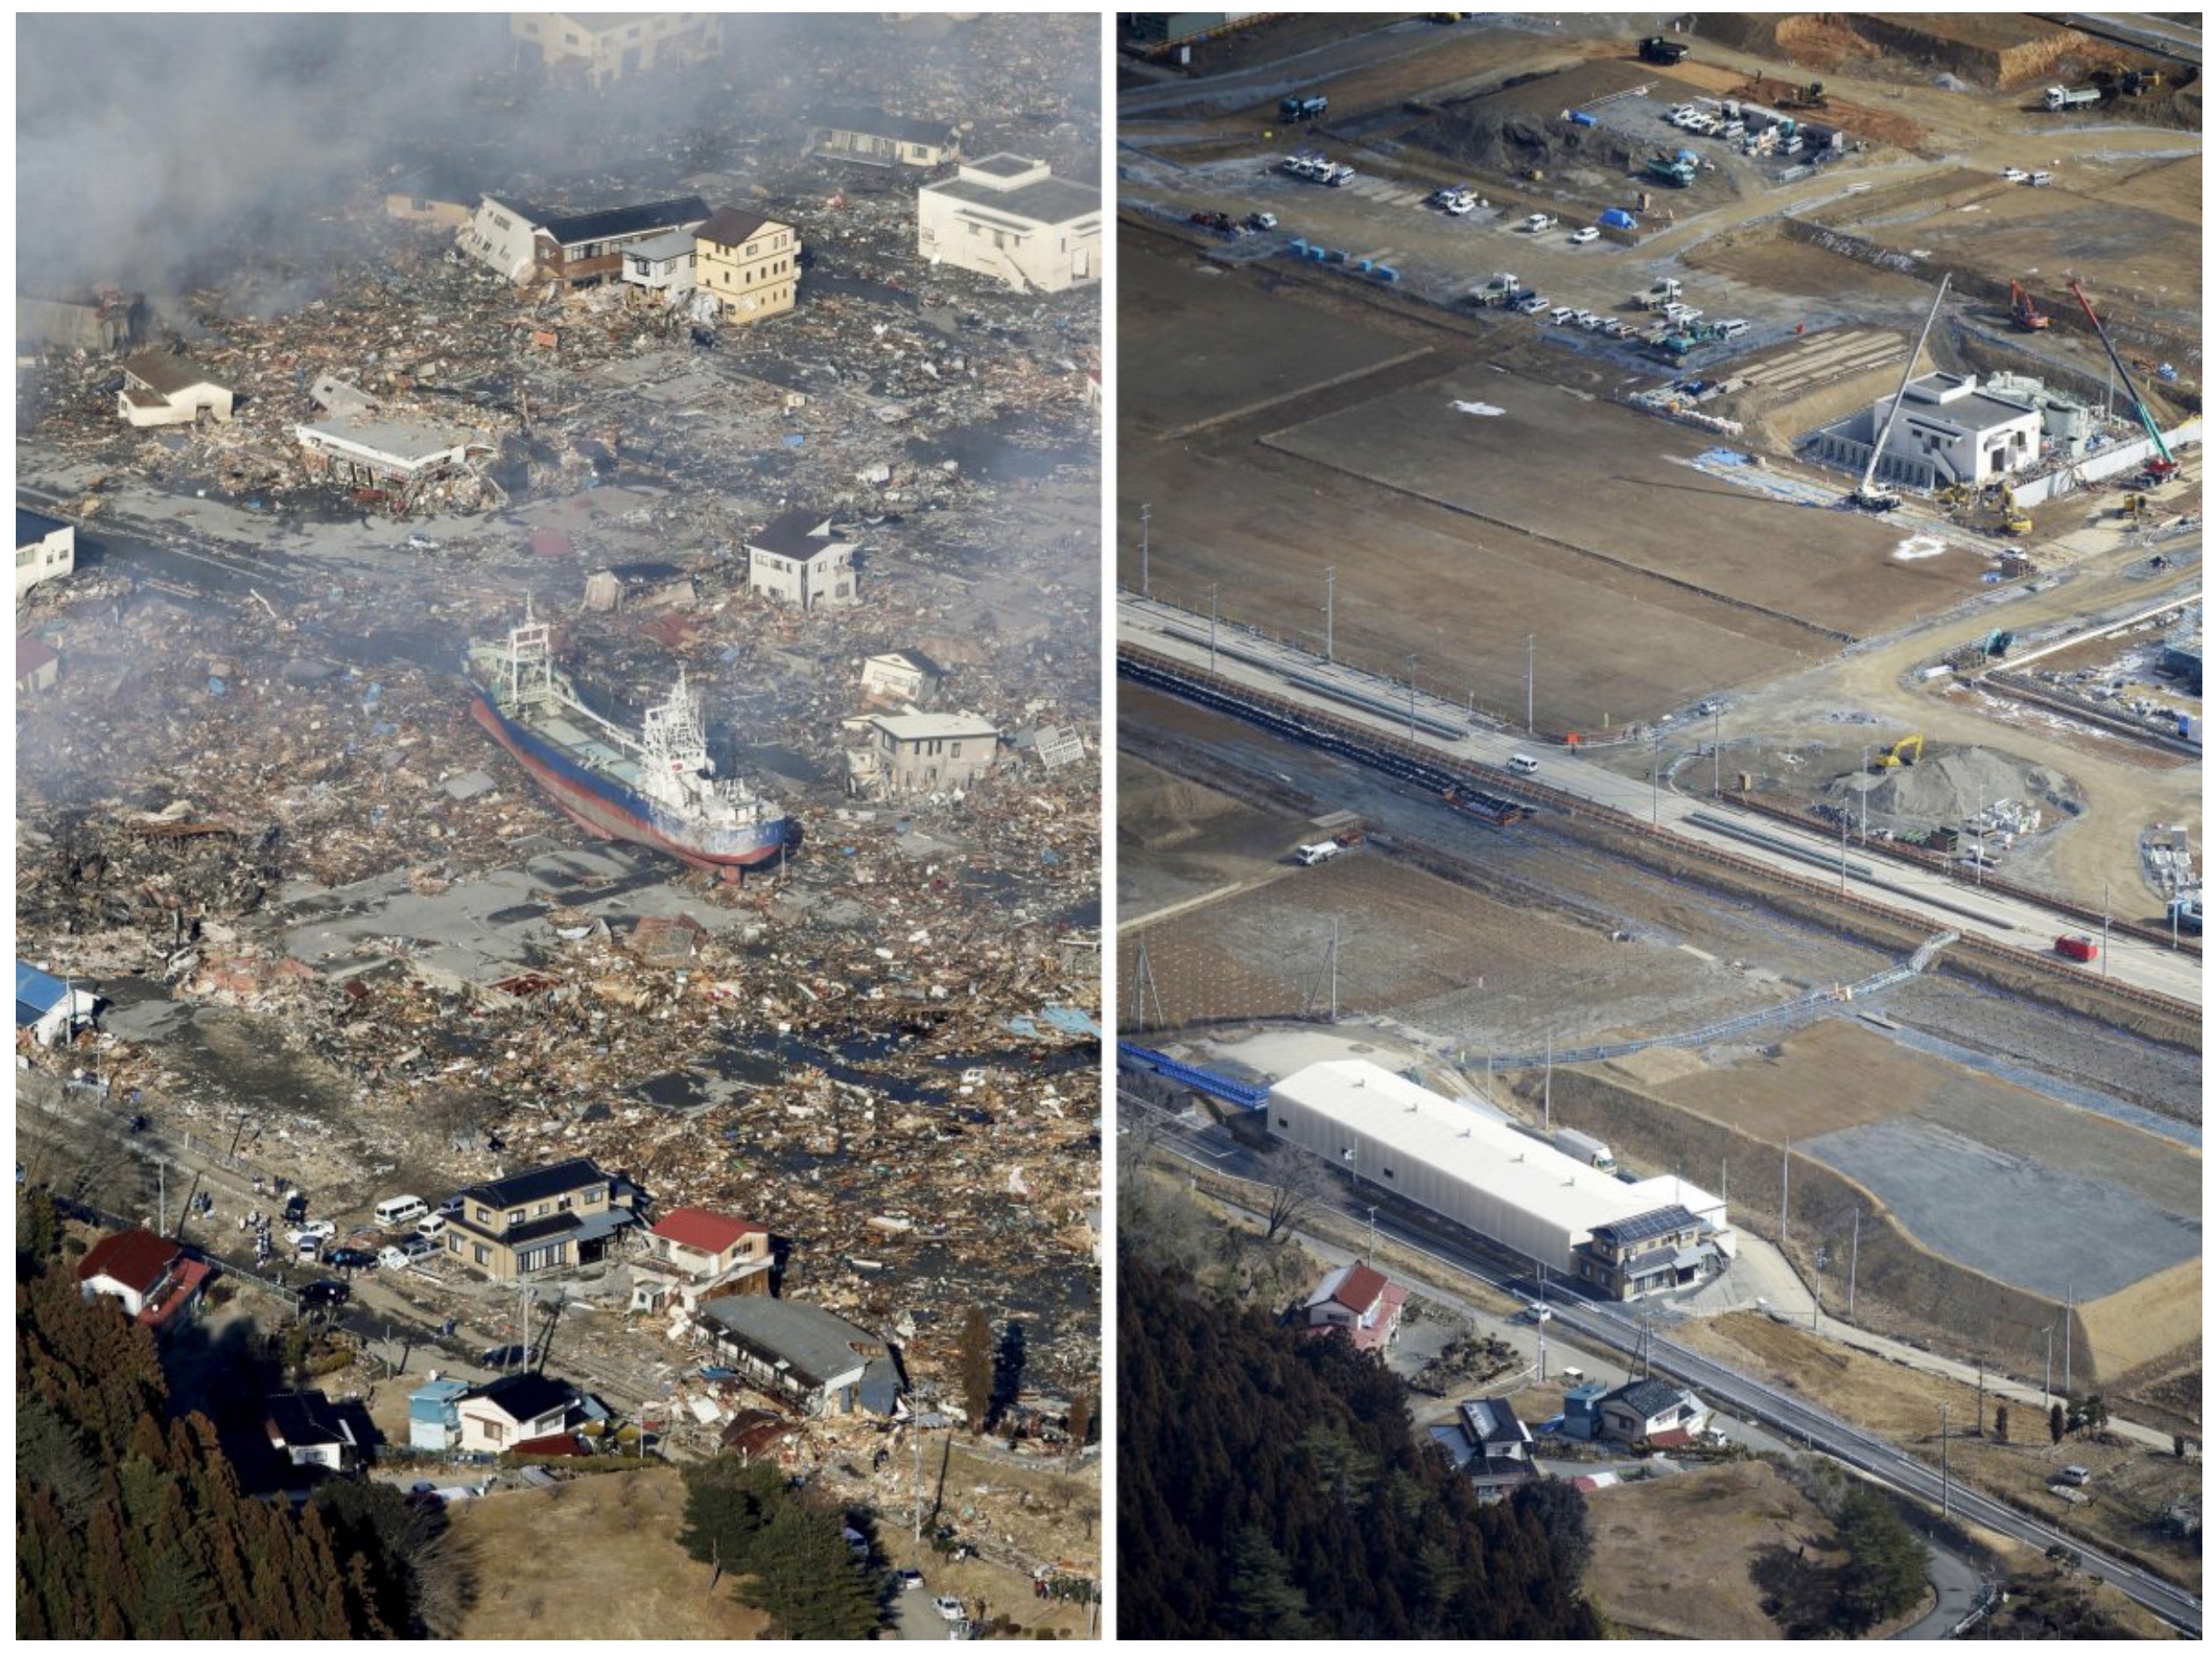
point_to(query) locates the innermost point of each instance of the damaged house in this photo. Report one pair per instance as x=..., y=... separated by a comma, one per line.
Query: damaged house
x=46, y=547
x=382, y=454
x=749, y=265
x=591, y=50
x=904, y=675
x=1007, y=217
x=693, y=1253
x=431, y=195
x=813, y=1358
x=800, y=558
x=527, y=243
x=922, y=753
x=665, y=267
x=873, y=138
x=166, y=387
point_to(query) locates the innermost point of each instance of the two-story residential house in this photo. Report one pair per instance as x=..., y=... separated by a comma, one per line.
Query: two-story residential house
x=431, y=195
x=748, y=265
x=1501, y=1458
x=587, y=249
x=46, y=547
x=924, y=752
x=1007, y=217
x=592, y=50
x=800, y=559
x=693, y=1254
x=873, y=138
x=902, y=675
x=166, y=387
x=514, y=1409
x=1649, y=1253
x=548, y=1219
x=310, y=1433
x=1358, y=1301
x=154, y=1279
x=813, y=1358
x=1651, y=1412
x=665, y=267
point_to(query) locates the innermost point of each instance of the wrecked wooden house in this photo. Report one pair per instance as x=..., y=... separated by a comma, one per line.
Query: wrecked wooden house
x=528, y=245
x=821, y=1363
x=166, y=387
x=396, y=456
x=902, y=675
x=873, y=138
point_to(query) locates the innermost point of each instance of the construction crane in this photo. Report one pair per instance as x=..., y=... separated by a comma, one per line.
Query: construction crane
x=1904, y=751
x=2165, y=466
x=2025, y=314
x=1867, y=497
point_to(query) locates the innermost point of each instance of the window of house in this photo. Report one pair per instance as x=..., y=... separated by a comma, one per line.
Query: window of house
x=25, y=555
x=494, y=1431
x=484, y=1255
x=566, y=1203
x=483, y=1215
x=956, y=750
x=567, y=39
x=514, y=1217
x=593, y=1194
x=1389, y=1173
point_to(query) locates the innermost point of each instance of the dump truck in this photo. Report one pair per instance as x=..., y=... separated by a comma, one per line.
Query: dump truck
x=1659, y=49
x=2070, y=97
x=1659, y=294
x=1584, y=1148
x=2075, y=946
x=1303, y=109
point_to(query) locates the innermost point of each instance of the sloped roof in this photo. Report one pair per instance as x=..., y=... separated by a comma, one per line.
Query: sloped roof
x=1648, y=1398
x=136, y=1259
x=876, y=123
x=1356, y=1286
x=703, y=1229
x=34, y=526
x=913, y=658
x=813, y=1345
x=517, y=1189
x=168, y=372
x=37, y=993
x=301, y=1418
x=625, y=221
x=525, y=1396
x=801, y=534
x=731, y=226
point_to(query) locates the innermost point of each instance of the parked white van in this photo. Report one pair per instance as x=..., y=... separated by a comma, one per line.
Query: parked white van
x=1522, y=764
x=400, y=1211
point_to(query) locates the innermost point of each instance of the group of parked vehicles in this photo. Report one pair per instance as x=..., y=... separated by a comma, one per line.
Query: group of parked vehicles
x=1316, y=169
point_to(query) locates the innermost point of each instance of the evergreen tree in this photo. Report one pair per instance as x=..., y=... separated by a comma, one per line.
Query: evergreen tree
x=1264, y=1603
x=2003, y=1424
x=2058, y=1423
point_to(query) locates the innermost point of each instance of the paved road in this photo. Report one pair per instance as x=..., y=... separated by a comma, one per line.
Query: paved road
x=1942, y=902
x=1780, y=1411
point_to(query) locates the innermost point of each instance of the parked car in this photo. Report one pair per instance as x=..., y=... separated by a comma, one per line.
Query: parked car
x=950, y=1608
x=1529, y=305
x=415, y=1246
x=910, y=1579
x=325, y=1293
x=308, y=1247
x=393, y=1258
x=510, y=1357
x=350, y=1260
x=2015, y=175
x=319, y=1230
x=1589, y=232
x=296, y=1208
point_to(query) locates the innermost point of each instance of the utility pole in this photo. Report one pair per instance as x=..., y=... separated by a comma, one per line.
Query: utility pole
x=1842, y=853
x=1724, y=1180
x=1328, y=618
x=1213, y=636
x=1144, y=565
x=1717, y=751
x=1531, y=685
x=2047, y=1366
x=1547, y=1081
x=1785, y=1193
x=1946, y=1416
x=2105, y=954
x=162, y=1229
x=1655, y=778
x=1820, y=1265
x=1412, y=661
x=1865, y=764
x=1978, y=1390
x=1850, y=1295
x=2069, y=1338
x=917, y=1481
x=1371, y=1233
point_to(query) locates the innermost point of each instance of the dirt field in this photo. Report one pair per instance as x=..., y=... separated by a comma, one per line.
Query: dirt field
x=2130, y=1483
x=1675, y=1556
x=642, y=1586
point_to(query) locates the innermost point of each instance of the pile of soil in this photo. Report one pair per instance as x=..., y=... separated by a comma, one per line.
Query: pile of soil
x=1514, y=144
x=1948, y=785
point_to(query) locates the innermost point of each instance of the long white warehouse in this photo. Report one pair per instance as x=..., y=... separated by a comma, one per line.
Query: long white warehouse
x=1611, y=1237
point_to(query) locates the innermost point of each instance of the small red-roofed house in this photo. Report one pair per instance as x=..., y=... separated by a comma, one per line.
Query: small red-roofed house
x=1360, y=1301
x=694, y=1254
x=158, y=1285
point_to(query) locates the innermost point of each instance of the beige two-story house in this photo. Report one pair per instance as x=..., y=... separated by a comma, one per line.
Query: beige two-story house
x=748, y=264
x=548, y=1219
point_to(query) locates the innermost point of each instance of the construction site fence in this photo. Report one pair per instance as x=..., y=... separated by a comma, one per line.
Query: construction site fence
x=1398, y=757
x=1936, y=861
x=2060, y=701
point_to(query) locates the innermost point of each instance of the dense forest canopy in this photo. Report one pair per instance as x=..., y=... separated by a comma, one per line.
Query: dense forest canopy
x=1271, y=1488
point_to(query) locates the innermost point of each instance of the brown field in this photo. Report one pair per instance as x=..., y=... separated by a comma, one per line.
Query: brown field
x=2129, y=1481
x=1674, y=1556
x=595, y=1559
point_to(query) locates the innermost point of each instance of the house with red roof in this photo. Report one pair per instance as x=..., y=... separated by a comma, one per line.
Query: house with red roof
x=694, y=1254
x=157, y=1283
x=1360, y=1301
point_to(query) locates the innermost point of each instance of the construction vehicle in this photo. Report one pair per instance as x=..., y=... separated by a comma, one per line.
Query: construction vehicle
x=1904, y=751
x=2009, y=517
x=2166, y=467
x=1659, y=49
x=1671, y=170
x=1803, y=97
x=1499, y=290
x=1303, y=109
x=2025, y=316
x=2074, y=947
x=1867, y=497
x=2070, y=97
x=1660, y=294
x=2186, y=913
x=2135, y=506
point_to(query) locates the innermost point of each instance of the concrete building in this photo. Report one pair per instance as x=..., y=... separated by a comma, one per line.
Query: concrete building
x=381, y=454
x=931, y=752
x=1950, y=430
x=665, y=266
x=552, y=1219
x=1499, y=1182
x=1008, y=218
x=166, y=387
x=592, y=50
x=46, y=547
x=873, y=138
x=799, y=559
x=905, y=675
x=749, y=265
x=812, y=1358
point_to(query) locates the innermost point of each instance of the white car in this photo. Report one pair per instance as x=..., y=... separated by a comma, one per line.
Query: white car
x=2015, y=175
x=1589, y=232
x=1539, y=1314
x=950, y=1608
x=394, y=1258
x=319, y=1230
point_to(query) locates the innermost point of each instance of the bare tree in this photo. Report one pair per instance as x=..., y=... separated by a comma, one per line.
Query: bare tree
x=1296, y=1180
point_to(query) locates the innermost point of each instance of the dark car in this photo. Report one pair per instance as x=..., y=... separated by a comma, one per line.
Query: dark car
x=295, y=1207
x=502, y=1358
x=323, y=1292
x=350, y=1260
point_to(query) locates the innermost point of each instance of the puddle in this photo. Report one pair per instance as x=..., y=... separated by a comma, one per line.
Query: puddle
x=987, y=451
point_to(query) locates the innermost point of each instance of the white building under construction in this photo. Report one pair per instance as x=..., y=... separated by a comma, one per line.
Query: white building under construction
x=1952, y=430
x=1611, y=1237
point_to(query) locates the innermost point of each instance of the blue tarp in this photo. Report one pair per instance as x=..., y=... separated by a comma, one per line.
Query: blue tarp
x=37, y=993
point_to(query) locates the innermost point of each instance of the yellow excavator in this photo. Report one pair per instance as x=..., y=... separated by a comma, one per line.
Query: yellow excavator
x=2014, y=521
x=1904, y=751
x=1964, y=502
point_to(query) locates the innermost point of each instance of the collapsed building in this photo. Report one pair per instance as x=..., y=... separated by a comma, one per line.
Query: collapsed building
x=1007, y=217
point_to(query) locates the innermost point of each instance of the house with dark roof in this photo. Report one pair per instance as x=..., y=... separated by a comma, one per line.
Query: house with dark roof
x=548, y=1219
x=1667, y=1248
x=1006, y=216
x=1498, y=1449
x=904, y=675
x=813, y=1358
x=309, y=1433
x=800, y=559
x=46, y=547
x=693, y=1254
x=748, y=265
x=166, y=387
x=157, y=1283
x=507, y=1413
x=38, y=665
x=872, y=138
x=432, y=194
x=585, y=249
x=1644, y=1409
x=1357, y=1301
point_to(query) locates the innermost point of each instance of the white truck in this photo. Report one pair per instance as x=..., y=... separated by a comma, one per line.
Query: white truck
x=1536, y=223
x=2070, y=97
x=1584, y=1147
x=1663, y=292
x=1319, y=852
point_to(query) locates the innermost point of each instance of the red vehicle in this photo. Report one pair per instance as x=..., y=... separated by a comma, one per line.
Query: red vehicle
x=2073, y=947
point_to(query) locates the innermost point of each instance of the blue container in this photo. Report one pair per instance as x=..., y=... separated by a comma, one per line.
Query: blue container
x=1581, y=119
x=1616, y=218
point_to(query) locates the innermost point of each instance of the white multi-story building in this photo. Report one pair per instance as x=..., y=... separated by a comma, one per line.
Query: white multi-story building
x=597, y=49
x=1951, y=430
x=800, y=558
x=1008, y=218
